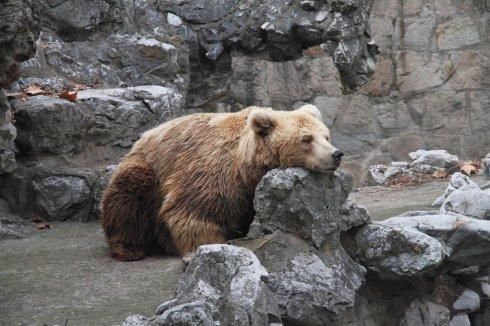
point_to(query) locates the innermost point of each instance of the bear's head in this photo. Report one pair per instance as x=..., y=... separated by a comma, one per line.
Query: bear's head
x=295, y=138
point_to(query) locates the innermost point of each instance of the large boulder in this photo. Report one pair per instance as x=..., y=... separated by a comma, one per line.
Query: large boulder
x=222, y=278
x=296, y=235
x=467, y=240
x=396, y=253
x=429, y=161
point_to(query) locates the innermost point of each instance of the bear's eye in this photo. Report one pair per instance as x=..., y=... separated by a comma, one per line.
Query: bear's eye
x=307, y=139
x=327, y=138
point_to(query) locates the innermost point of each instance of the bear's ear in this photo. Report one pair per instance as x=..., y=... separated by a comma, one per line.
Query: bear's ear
x=261, y=122
x=311, y=110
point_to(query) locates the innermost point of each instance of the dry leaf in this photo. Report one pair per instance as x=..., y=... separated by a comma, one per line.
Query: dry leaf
x=69, y=96
x=468, y=169
x=43, y=226
x=440, y=174
x=34, y=90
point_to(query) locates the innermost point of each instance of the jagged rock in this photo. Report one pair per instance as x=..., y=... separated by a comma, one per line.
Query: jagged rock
x=52, y=125
x=457, y=181
x=469, y=202
x=11, y=226
x=425, y=313
x=114, y=117
x=123, y=114
x=287, y=203
x=352, y=215
x=270, y=31
x=467, y=240
x=293, y=201
x=135, y=320
x=430, y=161
x=229, y=278
x=19, y=29
x=192, y=313
x=382, y=174
x=396, y=253
x=62, y=197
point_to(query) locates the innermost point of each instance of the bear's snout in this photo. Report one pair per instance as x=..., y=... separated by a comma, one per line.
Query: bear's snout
x=337, y=156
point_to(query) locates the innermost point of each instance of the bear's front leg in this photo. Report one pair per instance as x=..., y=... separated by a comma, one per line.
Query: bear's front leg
x=188, y=231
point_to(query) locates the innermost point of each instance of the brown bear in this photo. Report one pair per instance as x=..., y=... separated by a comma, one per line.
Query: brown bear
x=191, y=181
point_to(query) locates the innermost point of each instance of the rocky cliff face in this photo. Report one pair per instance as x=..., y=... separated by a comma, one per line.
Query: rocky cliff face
x=136, y=64
x=430, y=89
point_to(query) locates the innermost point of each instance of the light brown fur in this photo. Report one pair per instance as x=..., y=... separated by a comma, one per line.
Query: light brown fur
x=191, y=181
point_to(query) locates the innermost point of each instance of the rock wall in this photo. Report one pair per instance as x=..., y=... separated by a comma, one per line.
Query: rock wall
x=136, y=64
x=430, y=89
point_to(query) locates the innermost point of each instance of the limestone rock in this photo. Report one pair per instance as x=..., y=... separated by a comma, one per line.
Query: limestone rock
x=433, y=159
x=62, y=197
x=469, y=202
x=457, y=181
x=229, y=278
x=396, y=253
x=287, y=202
x=51, y=125
x=293, y=201
x=467, y=240
x=352, y=215
x=468, y=301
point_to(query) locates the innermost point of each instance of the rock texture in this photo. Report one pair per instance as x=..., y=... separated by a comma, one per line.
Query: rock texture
x=18, y=33
x=313, y=256
x=430, y=89
x=424, y=164
x=463, y=196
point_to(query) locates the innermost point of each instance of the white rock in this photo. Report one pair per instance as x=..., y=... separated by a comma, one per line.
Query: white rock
x=174, y=20
x=469, y=300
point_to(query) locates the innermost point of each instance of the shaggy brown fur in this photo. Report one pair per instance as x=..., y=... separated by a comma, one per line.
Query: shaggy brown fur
x=191, y=181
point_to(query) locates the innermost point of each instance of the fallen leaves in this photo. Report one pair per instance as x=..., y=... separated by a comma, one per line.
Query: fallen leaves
x=43, y=226
x=440, y=174
x=469, y=167
x=35, y=90
x=69, y=96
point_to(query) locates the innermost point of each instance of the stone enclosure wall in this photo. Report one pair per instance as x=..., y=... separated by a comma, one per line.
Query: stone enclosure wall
x=140, y=63
x=430, y=89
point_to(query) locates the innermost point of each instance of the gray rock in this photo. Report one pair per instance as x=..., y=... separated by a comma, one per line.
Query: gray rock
x=287, y=203
x=123, y=114
x=457, y=181
x=485, y=162
x=62, y=197
x=471, y=202
x=192, y=313
x=135, y=320
x=344, y=32
x=12, y=226
x=375, y=176
x=460, y=320
x=352, y=215
x=227, y=277
x=396, y=253
x=51, y=125
x=467, y=239
x=432, y=160
x=425, y=313
x=468, y=301
x=298, y=202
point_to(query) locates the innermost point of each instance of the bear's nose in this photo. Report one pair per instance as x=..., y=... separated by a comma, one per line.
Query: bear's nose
x=337, y=156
